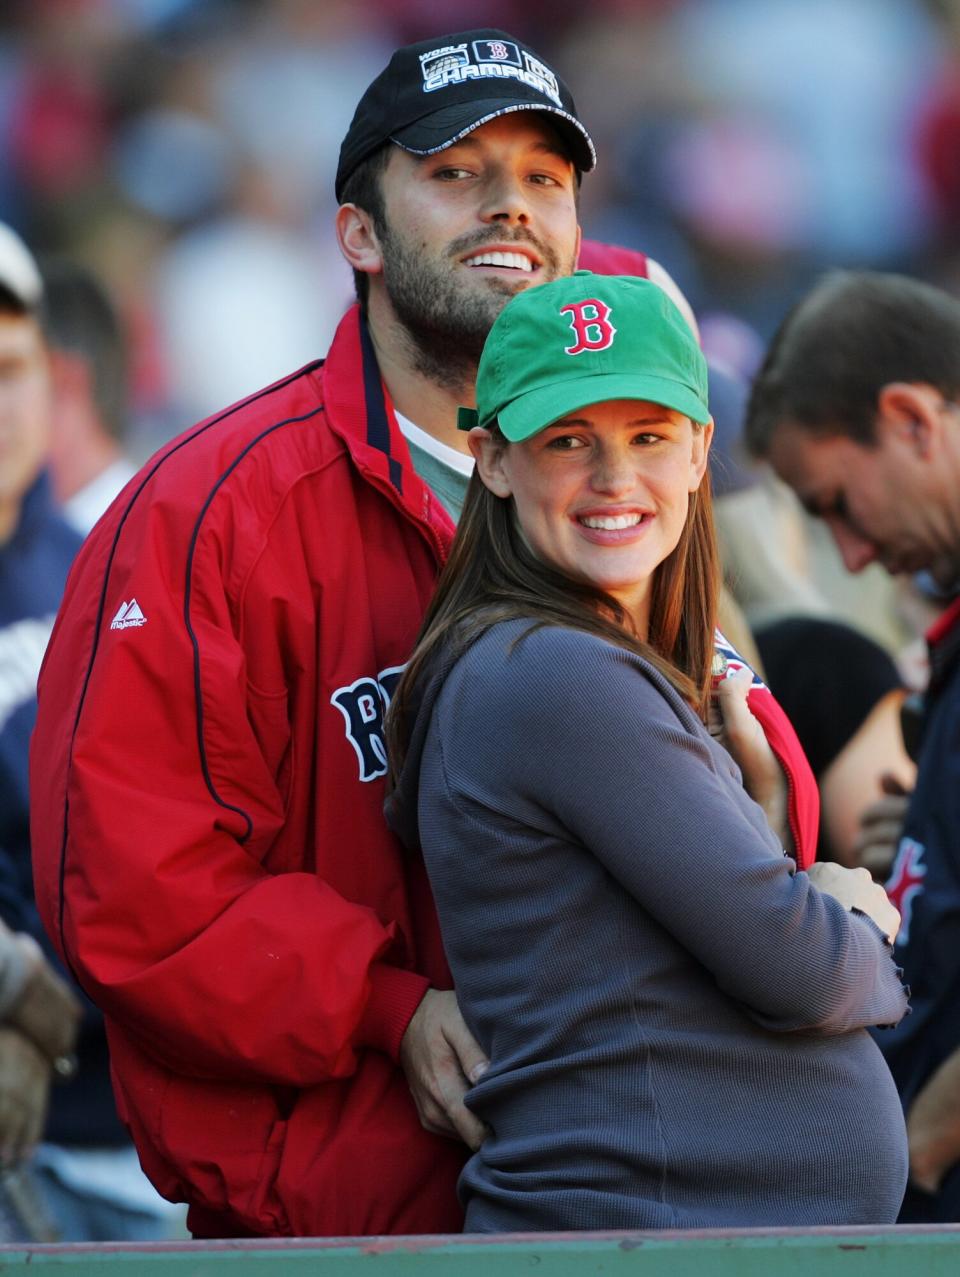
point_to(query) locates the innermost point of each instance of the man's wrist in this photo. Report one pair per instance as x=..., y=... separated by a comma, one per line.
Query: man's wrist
x=394, y=996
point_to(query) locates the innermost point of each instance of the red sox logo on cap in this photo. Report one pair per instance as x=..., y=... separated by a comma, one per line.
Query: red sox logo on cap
x=472, y=60
x=590, y=321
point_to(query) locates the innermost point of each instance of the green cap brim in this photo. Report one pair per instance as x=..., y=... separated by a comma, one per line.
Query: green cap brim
x=467, y=418
x=531, y=412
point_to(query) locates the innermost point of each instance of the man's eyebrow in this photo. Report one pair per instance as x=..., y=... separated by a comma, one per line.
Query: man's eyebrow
x=820, y=504
x=546, y=146
x=811, y=504
x=552, y=148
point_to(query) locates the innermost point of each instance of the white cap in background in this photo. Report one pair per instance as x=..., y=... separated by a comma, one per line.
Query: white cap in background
x=19, y=273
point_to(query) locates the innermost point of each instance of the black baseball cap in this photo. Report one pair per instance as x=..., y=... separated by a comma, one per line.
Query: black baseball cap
x=435, y=92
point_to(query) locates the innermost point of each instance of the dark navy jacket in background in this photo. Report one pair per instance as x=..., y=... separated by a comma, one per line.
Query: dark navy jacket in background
x=925, y=886
x=33, y=571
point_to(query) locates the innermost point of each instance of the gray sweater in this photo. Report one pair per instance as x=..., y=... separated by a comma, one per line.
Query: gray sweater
x=675, y=1018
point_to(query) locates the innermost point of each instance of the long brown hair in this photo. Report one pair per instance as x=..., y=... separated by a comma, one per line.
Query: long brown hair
x=492, y=575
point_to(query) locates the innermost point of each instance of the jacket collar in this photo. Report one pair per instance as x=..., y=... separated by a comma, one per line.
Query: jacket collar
x=943, y=641
x=360, y=412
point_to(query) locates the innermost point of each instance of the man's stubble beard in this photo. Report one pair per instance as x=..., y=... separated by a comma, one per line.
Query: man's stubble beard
x=445, y=325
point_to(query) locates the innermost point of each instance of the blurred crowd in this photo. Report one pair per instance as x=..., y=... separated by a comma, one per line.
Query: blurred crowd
x=184, y=150
x=182, y=154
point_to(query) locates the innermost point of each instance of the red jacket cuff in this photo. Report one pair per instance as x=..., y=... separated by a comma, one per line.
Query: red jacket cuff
x=394, y=996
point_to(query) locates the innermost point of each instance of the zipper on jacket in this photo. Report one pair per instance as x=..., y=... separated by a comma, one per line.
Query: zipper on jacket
x=379, y=436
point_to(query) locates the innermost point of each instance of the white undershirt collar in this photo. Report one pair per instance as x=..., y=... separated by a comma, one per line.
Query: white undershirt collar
x=442, y=452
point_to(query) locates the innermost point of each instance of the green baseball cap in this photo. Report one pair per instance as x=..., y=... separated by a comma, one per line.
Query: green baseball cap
x=581, y=340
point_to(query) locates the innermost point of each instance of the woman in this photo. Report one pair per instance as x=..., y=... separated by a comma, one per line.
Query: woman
x=674, y=1017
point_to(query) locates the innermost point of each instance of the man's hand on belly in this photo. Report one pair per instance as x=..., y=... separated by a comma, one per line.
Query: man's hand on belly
x=441, y=1061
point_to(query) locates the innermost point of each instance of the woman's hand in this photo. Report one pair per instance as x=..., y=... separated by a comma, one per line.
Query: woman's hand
x=855, y=889
x=731, y=722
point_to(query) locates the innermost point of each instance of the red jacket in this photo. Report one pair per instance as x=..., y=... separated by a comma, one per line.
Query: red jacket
x=209, y=847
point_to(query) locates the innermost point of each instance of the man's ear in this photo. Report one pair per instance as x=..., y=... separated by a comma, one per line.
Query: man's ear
x=358, y=239
x=911, y=412
x=71, y=376
x=489, y=454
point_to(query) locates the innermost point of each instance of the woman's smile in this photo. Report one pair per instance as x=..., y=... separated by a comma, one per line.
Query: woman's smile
x=614, y=526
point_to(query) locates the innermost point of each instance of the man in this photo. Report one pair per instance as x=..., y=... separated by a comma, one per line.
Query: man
x=88, y=362
x=210, y=849
x=36, y=548
x=85, y=1169
x=856, y=407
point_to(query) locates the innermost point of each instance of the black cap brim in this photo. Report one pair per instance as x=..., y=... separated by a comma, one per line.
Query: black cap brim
x=442, y=128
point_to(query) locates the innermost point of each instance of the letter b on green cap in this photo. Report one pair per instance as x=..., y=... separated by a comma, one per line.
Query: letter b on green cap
x=581, y=340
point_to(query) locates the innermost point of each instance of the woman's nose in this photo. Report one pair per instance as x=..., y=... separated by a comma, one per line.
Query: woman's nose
x=613, y=472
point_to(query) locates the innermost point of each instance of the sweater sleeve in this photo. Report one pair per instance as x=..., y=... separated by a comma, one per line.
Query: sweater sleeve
x=600, y=744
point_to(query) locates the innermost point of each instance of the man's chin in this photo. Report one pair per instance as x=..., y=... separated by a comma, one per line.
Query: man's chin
x=945, y=572
x=507, y=286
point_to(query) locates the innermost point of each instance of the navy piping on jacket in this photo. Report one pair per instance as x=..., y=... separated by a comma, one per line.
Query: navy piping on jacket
x=378, y=425
x=101, y=608
x=187, y=590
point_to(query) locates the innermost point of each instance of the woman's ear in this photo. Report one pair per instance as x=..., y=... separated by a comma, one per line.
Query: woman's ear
x=702, y=438
x=489, y=453
x=358, y=239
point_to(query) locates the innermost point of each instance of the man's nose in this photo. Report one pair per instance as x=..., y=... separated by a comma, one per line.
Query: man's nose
x=856, y=551
x=506, y=200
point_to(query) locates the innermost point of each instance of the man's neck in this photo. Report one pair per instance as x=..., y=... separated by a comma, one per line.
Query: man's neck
x=934, y=484
x=947, y=570
x=417, y=396
x=75, y=467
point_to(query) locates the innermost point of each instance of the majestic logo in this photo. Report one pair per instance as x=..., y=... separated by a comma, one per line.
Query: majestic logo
x=128, y=615
x=590, y=321
x=906, y=882
x=483, y=60
x=363, y=705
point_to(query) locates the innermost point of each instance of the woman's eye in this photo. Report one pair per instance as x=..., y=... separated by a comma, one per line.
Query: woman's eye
x=646, y=438
x=451, y=174
x=564, y=443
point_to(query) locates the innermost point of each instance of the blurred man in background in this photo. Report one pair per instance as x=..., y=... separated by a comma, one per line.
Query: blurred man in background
x=857, y=407
x=88, y=361
x=38, y=1013
x=90, y=1185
